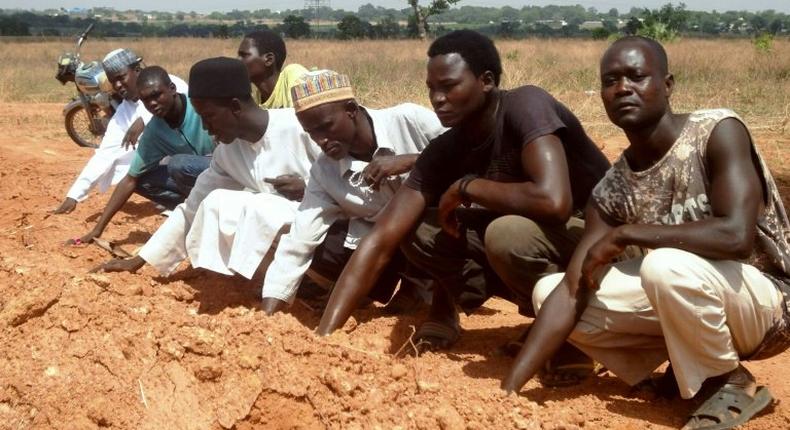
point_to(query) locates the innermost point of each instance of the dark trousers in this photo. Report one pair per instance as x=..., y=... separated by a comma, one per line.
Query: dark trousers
x=495, y=255
x=331, y=257
x=168, y=185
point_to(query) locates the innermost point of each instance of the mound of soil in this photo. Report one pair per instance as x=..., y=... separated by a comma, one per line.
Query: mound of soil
x=192, y=351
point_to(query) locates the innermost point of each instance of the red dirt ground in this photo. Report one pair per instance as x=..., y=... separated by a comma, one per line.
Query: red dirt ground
x=192, y=351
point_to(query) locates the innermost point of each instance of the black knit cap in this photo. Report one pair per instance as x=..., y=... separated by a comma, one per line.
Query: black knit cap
x=220, y=78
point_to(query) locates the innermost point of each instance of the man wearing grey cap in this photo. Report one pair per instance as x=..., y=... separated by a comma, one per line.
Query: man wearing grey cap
x=238, y=206
x=110, y=163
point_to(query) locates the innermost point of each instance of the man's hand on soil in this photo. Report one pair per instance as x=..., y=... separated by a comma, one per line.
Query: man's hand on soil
x=67, y=206
x=120, y=265
x=88, y=238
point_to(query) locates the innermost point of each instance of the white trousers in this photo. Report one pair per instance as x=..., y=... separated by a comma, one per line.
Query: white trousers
x=233, y=230
x=671, y=304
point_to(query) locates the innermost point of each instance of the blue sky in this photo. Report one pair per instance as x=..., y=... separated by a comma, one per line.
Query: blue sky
x=226, y=5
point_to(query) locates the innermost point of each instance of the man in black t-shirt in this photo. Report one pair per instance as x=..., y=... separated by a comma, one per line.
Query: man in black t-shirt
x=521, y=164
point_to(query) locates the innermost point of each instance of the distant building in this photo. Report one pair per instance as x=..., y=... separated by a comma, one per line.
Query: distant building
x=590, y=25
x=554, y=24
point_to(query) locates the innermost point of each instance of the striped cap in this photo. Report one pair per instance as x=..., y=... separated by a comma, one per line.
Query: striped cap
x=119, y=60
x=320, y=87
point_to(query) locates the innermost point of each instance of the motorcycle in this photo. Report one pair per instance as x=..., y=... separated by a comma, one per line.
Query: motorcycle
x=87, y=114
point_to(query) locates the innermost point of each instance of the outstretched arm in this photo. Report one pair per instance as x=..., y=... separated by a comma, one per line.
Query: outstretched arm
x=374, y=252
x=561, y=310
x=119, y=197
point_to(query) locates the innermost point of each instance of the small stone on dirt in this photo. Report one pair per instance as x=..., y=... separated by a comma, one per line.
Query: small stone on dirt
x=99, y=279
x=427, y=387
x=350, y=325
x=208, y=372
x=449, y=418
x=398, y=371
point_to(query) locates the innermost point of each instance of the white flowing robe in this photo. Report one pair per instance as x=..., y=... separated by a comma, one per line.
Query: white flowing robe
x=231, y=217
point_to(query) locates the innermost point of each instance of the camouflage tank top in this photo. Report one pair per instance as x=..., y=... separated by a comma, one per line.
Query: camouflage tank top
x=675, y=191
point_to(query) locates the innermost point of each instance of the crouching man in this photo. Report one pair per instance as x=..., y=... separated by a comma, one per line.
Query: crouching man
x=711, y=291
x=170, y=155
x=234, y=212
x=518, y=157
x=367, y=154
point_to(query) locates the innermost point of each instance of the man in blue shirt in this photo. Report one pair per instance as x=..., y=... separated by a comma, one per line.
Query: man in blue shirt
x=171, y=153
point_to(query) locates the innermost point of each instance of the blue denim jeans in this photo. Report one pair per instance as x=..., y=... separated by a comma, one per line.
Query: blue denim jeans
x=168, y=185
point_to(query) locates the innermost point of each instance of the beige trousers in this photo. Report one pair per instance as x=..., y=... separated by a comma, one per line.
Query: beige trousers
x=700, y=314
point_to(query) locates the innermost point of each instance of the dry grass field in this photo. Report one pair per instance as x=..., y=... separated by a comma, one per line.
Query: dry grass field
x=191, y=351
x=709, y=73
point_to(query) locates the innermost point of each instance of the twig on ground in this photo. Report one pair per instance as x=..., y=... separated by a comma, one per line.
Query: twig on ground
x=114, y=250
x=318, y=411
x=142, y=393
x=351, y=348
x=410, y=341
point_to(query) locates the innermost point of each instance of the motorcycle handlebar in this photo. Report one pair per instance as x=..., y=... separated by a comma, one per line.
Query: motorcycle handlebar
x=88, y=30
x=84, y=35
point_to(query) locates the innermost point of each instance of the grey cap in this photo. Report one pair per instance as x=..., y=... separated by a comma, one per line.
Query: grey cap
x=119, y=60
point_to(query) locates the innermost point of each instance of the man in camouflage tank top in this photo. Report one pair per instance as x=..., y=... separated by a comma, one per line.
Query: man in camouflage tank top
x=692, y=191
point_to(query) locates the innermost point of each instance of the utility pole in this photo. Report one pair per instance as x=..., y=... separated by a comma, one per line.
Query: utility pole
x=315, y=7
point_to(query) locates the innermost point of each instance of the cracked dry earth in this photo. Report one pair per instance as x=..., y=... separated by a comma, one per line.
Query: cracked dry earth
x=129, y=351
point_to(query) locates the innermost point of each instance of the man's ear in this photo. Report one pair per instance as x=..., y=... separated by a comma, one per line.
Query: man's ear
x=269, y=59
x=669, y=83
x=488, y=81
x=235, y=106
x=351, y=107
x=171, y=86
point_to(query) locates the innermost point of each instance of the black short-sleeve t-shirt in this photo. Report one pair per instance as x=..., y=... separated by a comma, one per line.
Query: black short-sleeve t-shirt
x=524, y=114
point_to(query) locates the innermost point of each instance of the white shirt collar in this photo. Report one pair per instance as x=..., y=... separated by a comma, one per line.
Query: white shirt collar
x=349, y=163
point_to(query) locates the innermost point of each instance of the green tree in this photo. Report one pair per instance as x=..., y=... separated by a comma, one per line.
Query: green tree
x=421, y=13
x=600, y=33
x=295, y=27
x=222, y=32
x=388, y=28
x=508, y=29
x=632, y=26
x=666, y=23
x=351, y=27
x=13, y=26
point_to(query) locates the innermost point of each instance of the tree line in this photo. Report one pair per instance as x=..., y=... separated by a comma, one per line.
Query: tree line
x=375, y=22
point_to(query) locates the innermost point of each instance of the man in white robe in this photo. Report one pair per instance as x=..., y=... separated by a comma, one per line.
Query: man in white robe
x=248, y=194
x=367, y=154
x=110, y=163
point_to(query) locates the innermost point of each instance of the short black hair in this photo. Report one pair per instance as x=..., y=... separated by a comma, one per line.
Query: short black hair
x=154, y=73
x=476, y=49
x=269, y=41
x=652, y=44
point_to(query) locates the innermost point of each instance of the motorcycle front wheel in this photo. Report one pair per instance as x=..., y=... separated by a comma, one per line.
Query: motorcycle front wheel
x=78, y=126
